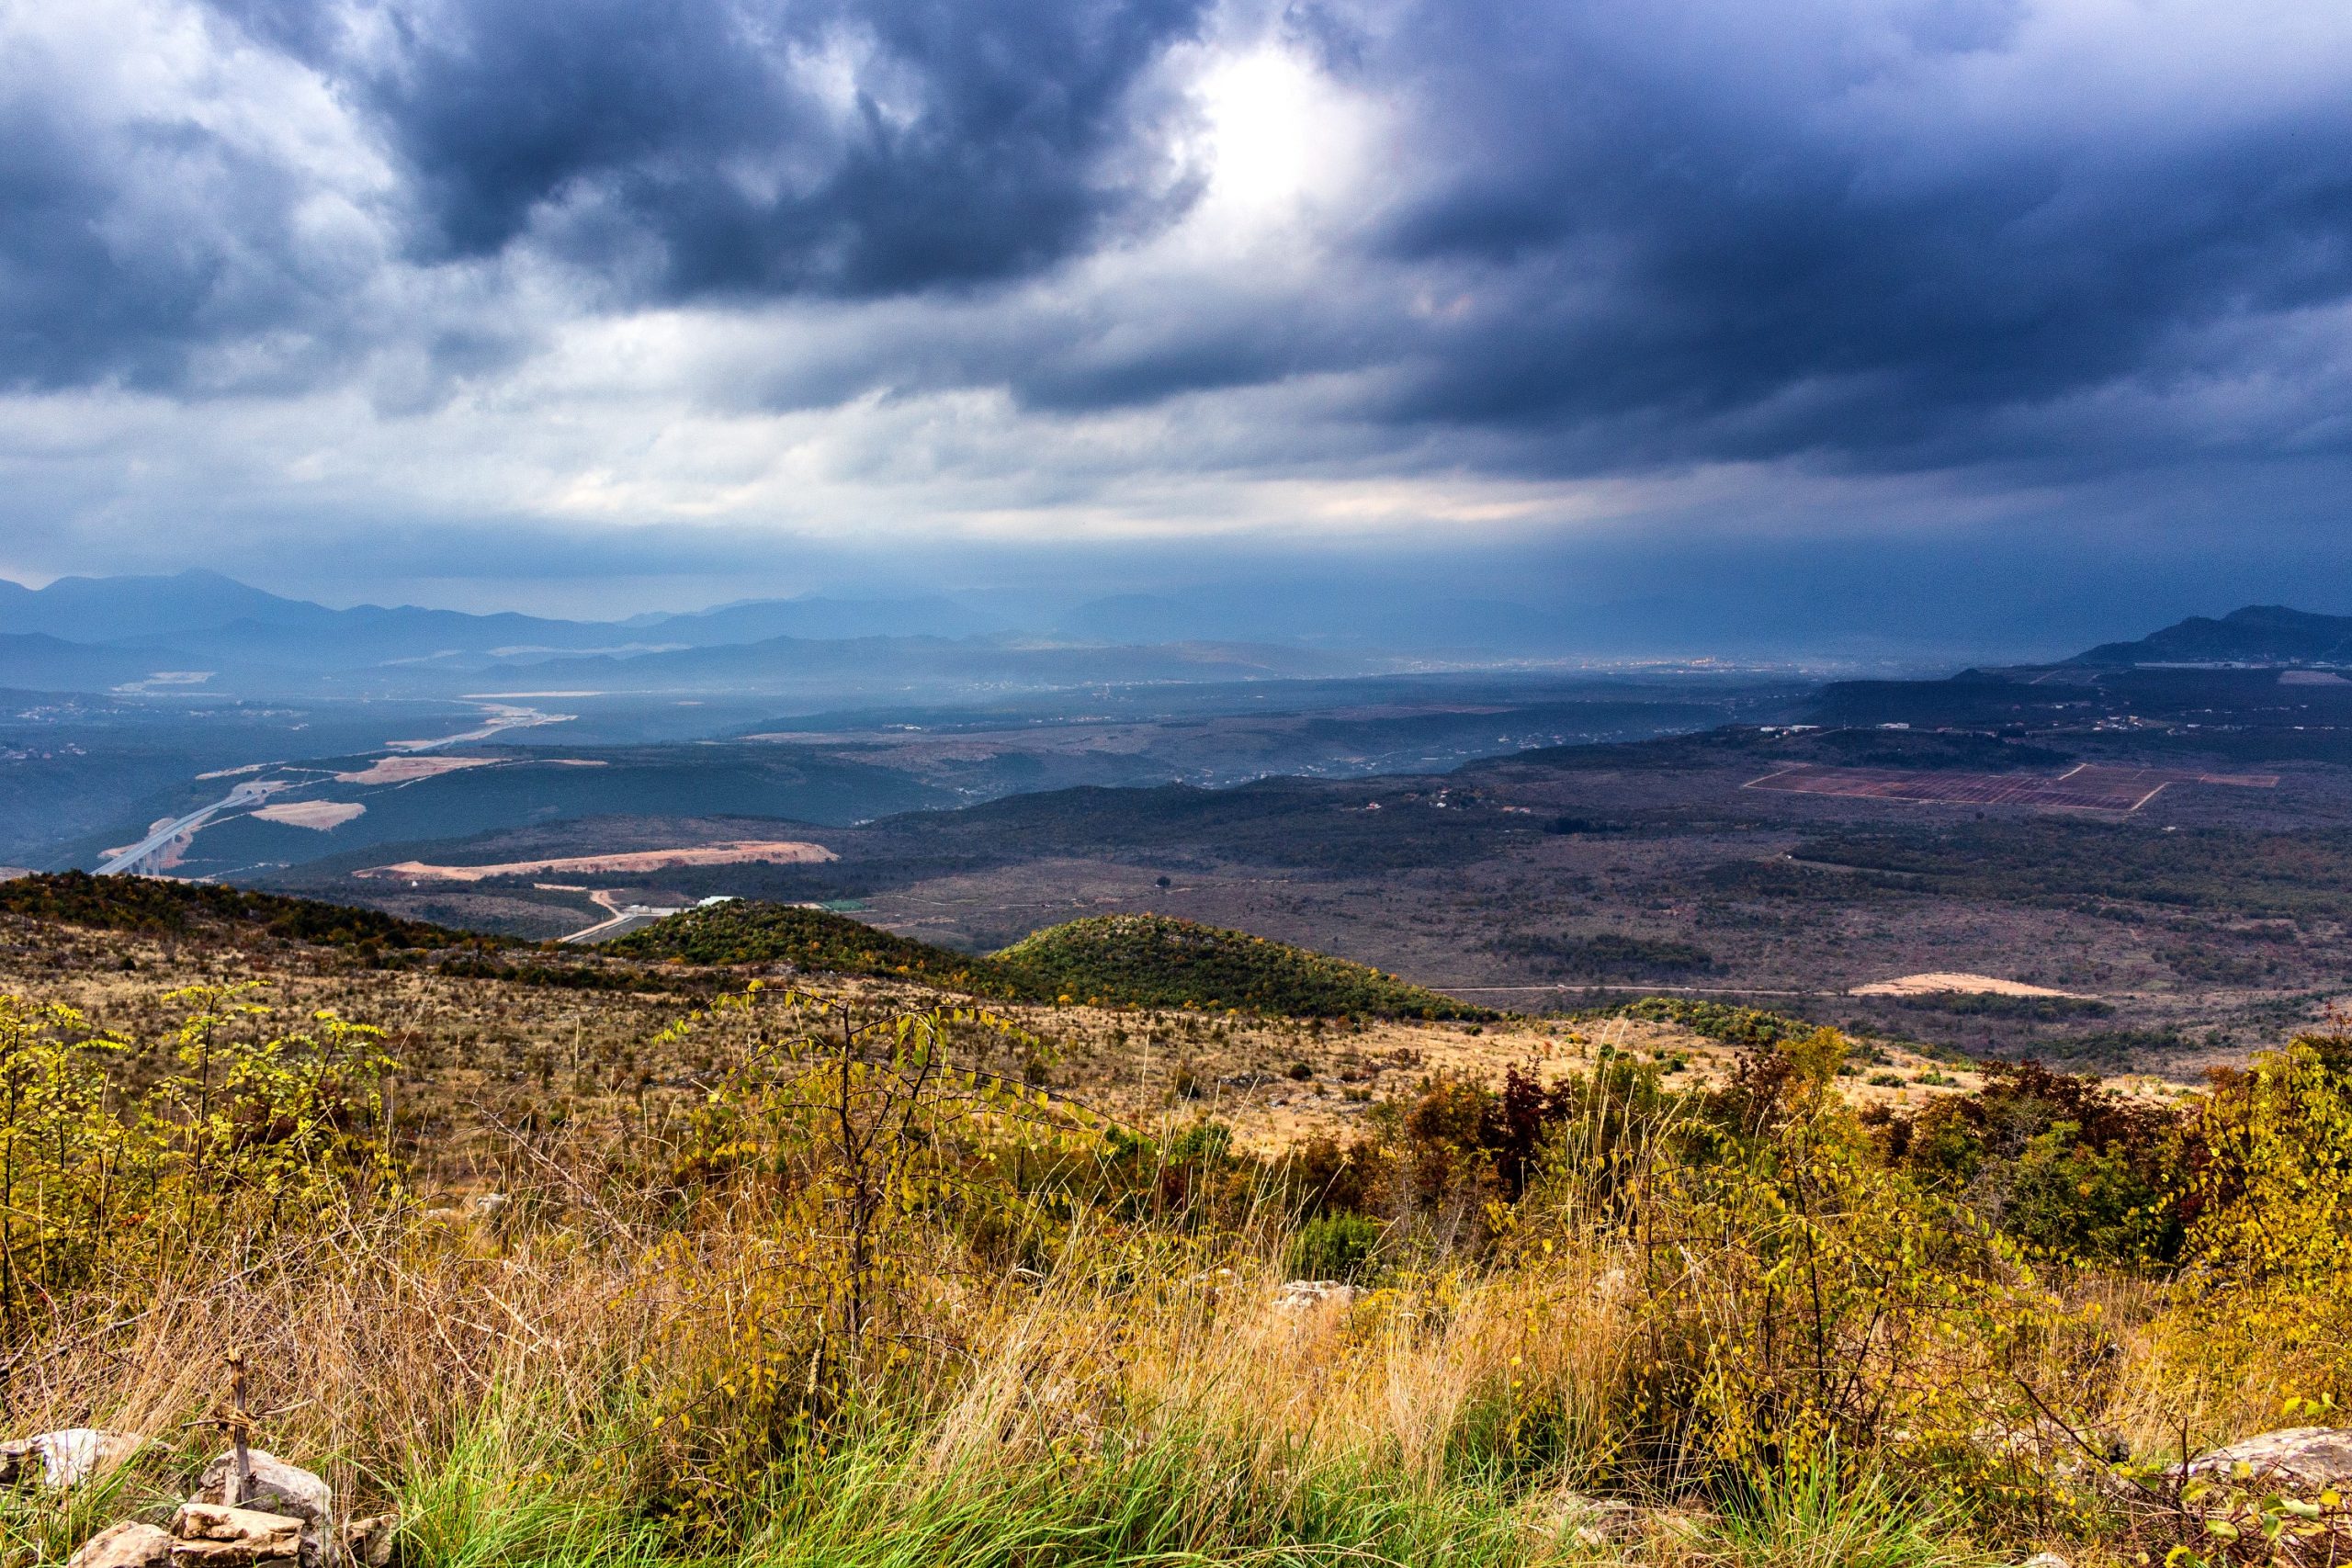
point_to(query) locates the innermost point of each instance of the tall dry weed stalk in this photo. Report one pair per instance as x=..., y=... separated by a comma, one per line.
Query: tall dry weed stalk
x=860, y=1281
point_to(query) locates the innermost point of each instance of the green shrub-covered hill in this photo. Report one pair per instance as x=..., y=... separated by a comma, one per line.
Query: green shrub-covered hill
x=747, y=931
x=152, y=905
x=1114, y=959
x=1158, y=961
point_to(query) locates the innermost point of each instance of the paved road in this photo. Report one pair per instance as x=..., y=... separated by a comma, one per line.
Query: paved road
x=500, y=717
x=136, y=860
x=132, y=862
x=622, y=918
x=620, y=925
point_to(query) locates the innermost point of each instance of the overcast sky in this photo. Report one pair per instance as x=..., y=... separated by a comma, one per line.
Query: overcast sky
x=581, y=304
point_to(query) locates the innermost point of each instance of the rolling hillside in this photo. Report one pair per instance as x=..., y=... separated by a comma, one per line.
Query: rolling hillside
x=1149, y=961
x=1157, y=961
x=155, y=906
x=749, y=930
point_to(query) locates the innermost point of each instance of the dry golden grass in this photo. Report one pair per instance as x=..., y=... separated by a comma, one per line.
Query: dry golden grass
x=533, y=1343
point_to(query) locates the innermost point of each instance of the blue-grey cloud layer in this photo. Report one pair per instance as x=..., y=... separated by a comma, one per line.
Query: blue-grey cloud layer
x=1883, y=234
x=1676, y=243
x=979, y=140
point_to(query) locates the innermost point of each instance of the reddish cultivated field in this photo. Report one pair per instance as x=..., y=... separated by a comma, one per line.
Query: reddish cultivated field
x=2088, y=787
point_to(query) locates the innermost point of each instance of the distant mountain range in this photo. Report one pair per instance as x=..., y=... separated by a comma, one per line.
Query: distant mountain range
x=205, y=610
x=203, y=632
x=2262, y=684
x=2259, y=634
x=102, y=609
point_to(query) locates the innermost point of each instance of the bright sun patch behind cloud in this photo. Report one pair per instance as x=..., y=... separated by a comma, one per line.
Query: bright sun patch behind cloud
x=1280, y=136
x=1099, y=270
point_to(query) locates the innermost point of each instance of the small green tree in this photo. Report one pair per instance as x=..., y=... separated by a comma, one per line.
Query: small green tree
x=875, y=1151
x=61, y=1151
x=254, y=1131
x=2271, y=1243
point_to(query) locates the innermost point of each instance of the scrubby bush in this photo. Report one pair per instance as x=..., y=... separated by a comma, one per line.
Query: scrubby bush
x=1717, y=1021
x=1117, y=961
x=1332, y=1246
x=2066, y=1169
x=153, y=905
x=852, y=1292
x=242, y=1130
x=1804, y=1298
x=749, y=931
x=2269, y=1241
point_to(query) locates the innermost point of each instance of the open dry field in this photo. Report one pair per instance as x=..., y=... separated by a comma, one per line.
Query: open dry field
x=2088, y=787
x=318, y=815
x=632, y=862
x=1949, y=984
x=408, y=769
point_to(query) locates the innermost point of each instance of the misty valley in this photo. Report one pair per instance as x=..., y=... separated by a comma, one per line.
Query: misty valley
x=2135, y=858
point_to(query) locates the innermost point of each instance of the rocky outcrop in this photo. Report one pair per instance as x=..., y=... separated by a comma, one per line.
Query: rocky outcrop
x=2300, y=1458
x=368, y=1542
x=64, y=1458
x=130, y=1544
x=1305, y=1295
x=273, y=1486
x=281, y=1516
x=2283, y=1489
x=1609, y=1529
x=1589, y=1524
x=213, y=1534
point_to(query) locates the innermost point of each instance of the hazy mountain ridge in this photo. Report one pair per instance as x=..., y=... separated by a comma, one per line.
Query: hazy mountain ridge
x=255, y=642
x=2257, y=634
x=96, y=633
x=95, y=609
x=42, y=661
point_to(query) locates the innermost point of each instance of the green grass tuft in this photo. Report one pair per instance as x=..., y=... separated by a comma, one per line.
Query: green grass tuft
x=1815, y=1518
x=1175, y=1500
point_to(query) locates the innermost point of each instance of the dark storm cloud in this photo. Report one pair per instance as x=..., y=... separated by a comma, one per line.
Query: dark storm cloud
x=699, y=149
x=1892, y=235
x=1887, y=233
x=130, y=241
x=1746, y=232
x=71, y=305
x=753, y=147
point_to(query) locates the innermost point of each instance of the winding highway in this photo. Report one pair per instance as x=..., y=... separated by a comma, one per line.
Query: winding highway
x=136, y=860
x=144, y=858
